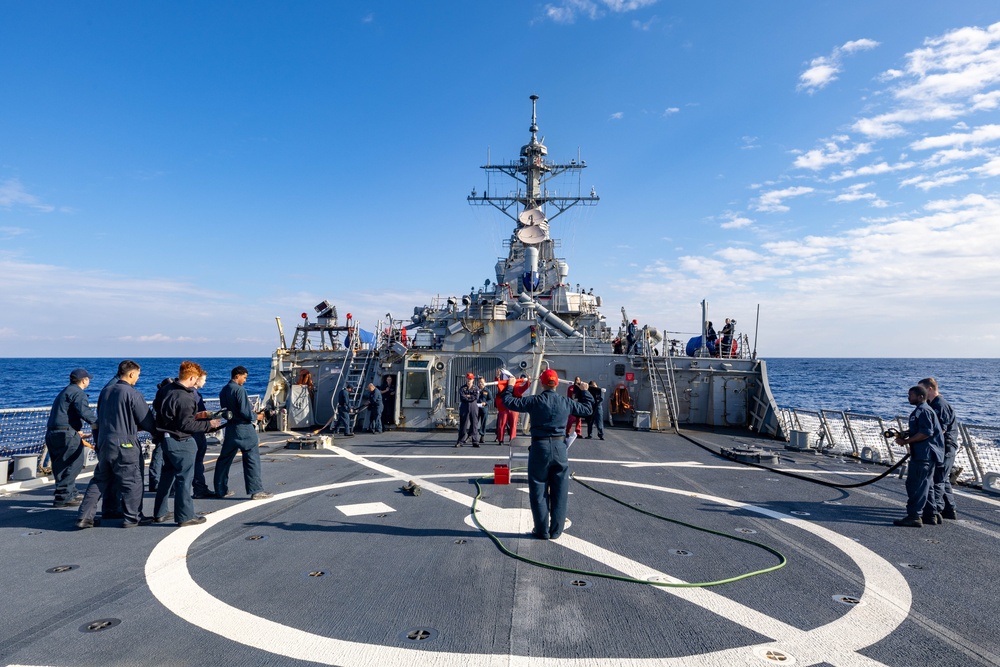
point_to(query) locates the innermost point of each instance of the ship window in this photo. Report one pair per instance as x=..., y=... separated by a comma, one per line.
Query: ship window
x=619, y=369
x=416, y=386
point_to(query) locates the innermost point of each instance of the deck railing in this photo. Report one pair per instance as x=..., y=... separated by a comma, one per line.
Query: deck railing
x=859, y=435
x=22, y=430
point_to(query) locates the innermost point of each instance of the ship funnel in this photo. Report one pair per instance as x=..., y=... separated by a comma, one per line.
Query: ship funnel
x=530, y=278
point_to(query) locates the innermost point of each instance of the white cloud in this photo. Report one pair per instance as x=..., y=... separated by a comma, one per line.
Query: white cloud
x=947, y=78
x=735, y=221
x=567, y=10
x=856, y=192
x=873, y=170
x=13, y=194
x=773, y=201
x=368, y=18
x=824, y=69
x=981, y=135
x=671, y=111
x=831, y=153
x=739, y=255
x=618, y=115
x=926, y=183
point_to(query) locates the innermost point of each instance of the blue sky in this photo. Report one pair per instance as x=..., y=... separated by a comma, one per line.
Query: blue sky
x=175, y=175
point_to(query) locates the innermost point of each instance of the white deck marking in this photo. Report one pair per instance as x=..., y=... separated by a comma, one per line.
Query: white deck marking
x=887, y=597
x=364, y=508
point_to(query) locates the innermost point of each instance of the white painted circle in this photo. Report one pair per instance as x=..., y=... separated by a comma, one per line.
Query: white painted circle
x=886, y=591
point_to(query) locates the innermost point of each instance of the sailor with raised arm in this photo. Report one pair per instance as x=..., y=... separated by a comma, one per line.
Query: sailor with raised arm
x=548, y=461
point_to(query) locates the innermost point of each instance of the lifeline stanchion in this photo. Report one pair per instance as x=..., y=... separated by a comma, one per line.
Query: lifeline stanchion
x=787, y=473
x=618, y=577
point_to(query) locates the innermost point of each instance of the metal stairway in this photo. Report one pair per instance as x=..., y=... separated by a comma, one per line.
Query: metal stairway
x=663, y=416
x=361, y=364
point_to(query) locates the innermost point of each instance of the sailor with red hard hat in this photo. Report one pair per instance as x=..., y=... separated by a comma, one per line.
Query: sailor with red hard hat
x=548, y=461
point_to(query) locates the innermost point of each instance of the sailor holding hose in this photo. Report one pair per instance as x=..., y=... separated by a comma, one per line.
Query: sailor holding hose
x=548, y=461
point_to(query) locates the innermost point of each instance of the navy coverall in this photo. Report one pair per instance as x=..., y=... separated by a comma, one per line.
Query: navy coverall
x=596, y=417
x=343, y=411
x=241, y=436
x=548, y=461
x=69, y=411
x=926, y=462
x=375, y=411
x=176, y=421
x=122, y=414
x=468, y=414
x=944, y=496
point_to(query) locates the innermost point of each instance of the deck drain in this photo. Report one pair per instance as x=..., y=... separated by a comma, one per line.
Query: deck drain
x=332, y=495
x=636, y=504
x=848, y=600
x=255, y=538
x=797, y=513
x=746, y=531
x=315, y=574
x=418, y=635
x=461, y=541
x=772, y=479
x=774, y=656
x=31, y=532
x=912, y=566
x=577, y=583
x=59, y=569
x=281, y=483
x=100, y=624
x=930, y=541
x=381, y=516
x=679, y=552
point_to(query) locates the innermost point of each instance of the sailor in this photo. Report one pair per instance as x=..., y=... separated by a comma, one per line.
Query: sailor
x=111, y=501
x=711, y=338
x=630, y=335
x=388, y=391
x=199, y=485
x=484, y=407
x=241, y=436
x=548, y=464
x=156, y=458
x=926, y=444
x=344, y=410
x=574, y=422
x=178, y=419
x=122, y=414
x=596, y=416
x=64, y=438
x=374, y=409
x=468, y=412
x=727, y=337
x=944, y=497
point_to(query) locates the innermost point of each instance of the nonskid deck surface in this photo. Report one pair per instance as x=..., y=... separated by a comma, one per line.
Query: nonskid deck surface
x=343, y=568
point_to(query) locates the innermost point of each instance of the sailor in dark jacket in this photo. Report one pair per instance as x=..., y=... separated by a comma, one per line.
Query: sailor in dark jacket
x=156, y=458
x=64, y=439
x=944, y=497
x=344, y=410
x=374, y=409
x=548, y=462
x=468, y=412
x=122, y=414
x=596, y=417
x=241, y=436
x=178, y=420
x=926, y=444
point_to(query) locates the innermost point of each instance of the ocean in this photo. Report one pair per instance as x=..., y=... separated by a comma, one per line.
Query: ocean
x=872, y=386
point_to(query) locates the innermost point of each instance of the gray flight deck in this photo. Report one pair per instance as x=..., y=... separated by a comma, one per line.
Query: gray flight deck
x=343, y=568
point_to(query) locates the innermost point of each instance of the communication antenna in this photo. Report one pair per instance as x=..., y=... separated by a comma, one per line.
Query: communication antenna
x=531, y=234
x=531, y=216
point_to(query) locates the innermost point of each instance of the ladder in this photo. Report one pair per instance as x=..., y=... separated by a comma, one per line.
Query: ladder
x=361, y=364
x=664, y=413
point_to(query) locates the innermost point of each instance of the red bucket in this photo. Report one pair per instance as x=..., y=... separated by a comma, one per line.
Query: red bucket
x=501, y=474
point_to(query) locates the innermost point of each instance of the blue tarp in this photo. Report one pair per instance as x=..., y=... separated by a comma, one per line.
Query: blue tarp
x=695, y=343
x=366, y=337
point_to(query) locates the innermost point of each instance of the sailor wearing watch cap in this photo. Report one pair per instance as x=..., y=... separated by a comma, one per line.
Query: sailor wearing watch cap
x=468, y=411
x=64, y=439
x=548, y=462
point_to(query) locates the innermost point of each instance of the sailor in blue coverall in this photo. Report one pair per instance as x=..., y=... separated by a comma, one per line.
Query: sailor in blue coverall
x=62, y=436
x=178, y=420
x=944, y=497
x=548, y=461
x=926, y=443
x=344, y=410
x=468, y=412
x=122, y=414
x=374, y=409
x=241, y=436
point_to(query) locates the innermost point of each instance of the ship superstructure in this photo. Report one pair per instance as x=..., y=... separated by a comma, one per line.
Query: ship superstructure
x=527, y=319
